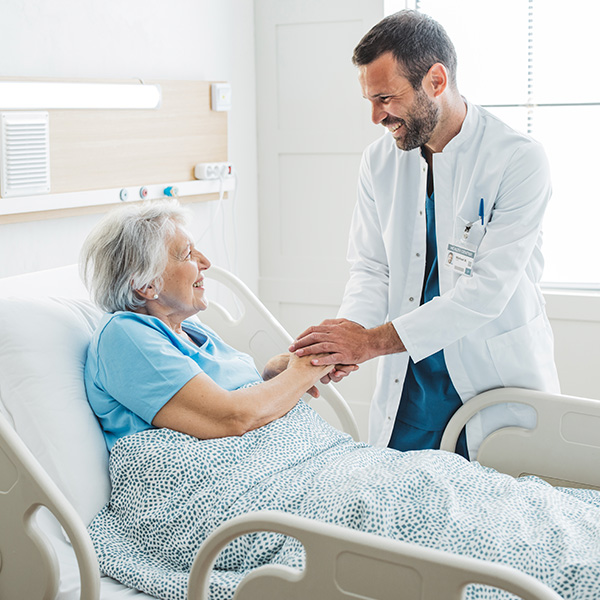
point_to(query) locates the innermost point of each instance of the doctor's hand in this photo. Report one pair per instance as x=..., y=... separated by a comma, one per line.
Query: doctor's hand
x=346, y=342
x=338, y=373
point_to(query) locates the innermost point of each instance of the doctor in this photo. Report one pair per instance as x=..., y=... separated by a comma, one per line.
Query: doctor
x=445, y=249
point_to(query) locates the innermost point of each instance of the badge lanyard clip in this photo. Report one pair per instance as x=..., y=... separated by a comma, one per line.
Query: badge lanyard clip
x=468, y=229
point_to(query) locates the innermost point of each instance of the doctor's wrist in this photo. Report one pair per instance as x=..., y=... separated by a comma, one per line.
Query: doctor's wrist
x=385, y=340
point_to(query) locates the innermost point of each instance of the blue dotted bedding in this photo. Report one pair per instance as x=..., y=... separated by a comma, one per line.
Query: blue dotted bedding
x=170, y=491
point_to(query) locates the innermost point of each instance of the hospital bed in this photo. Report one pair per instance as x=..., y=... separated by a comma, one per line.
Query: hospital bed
x=563, y=448
x=54, y=477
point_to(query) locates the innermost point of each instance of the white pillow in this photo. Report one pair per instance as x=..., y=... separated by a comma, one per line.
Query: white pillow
x=43, y=344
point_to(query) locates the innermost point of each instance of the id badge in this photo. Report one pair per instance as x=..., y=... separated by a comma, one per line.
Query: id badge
x=460, y=256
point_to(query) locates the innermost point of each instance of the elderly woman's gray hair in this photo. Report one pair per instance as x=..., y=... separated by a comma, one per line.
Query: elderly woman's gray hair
x=129, y=250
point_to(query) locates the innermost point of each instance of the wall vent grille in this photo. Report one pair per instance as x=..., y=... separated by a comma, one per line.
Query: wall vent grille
x=24, y=154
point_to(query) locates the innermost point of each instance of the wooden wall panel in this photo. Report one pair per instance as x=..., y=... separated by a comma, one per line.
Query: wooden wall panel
x=95, y=149
x=104, y=149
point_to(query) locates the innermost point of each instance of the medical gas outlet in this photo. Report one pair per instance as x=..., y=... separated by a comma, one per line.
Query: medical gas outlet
x=218, y=170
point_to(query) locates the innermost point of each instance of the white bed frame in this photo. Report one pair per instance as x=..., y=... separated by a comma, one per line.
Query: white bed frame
x=563, y=448
x=340, y=563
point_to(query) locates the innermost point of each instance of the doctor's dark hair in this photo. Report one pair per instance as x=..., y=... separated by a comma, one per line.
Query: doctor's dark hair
x=129, y=250
x=416, y=41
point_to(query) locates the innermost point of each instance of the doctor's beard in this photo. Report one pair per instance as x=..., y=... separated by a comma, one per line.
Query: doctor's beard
x=421, y=120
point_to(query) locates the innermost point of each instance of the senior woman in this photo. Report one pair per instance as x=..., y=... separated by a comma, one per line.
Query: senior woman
x=149, y=365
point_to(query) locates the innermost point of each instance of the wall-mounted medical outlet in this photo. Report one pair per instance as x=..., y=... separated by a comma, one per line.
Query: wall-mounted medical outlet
x=213, y=170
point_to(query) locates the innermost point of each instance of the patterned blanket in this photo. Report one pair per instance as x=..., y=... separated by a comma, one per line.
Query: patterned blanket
x=170, y=491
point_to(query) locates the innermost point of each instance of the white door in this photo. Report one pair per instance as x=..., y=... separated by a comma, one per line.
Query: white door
x=313, y=125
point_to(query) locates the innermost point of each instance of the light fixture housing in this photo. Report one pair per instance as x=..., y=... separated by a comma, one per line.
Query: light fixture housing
x=46, y=95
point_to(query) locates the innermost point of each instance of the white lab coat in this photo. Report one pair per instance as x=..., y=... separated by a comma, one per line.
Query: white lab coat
x=492, y=326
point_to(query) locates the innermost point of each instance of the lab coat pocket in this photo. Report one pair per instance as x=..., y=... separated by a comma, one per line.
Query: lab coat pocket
x=524, y=357
x=469, y=231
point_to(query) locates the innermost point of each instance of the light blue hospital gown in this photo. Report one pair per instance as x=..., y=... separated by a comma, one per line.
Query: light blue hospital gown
x=123, y=384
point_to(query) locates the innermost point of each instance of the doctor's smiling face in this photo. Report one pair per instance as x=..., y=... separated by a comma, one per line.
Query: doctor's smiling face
x=408, y=113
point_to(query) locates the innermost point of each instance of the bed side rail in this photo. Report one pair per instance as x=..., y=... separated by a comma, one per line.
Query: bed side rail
x=259, y=334
x=563, y=448
x=342, y=563
x=28, y=565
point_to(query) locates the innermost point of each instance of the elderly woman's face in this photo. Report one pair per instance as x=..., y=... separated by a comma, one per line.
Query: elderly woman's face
x=183, y=292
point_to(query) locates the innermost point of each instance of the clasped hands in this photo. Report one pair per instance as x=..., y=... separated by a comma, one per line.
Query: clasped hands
x=339, y=342
x=342, y=343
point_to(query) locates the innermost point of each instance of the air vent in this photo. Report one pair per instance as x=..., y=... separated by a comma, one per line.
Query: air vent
x=24, y=154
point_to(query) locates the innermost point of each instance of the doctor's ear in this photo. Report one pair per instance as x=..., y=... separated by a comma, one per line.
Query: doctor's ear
x=436, y=80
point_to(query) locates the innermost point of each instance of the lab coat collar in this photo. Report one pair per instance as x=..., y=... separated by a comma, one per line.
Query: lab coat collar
x=464, y=135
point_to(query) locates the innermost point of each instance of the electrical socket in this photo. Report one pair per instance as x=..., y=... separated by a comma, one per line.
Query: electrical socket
x=216, y=170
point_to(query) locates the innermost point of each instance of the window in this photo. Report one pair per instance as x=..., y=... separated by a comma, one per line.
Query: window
x=533, y=63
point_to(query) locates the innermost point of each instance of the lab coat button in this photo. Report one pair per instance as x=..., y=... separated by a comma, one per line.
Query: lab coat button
x=411, y=299
x=396, y=381
x=418, y=254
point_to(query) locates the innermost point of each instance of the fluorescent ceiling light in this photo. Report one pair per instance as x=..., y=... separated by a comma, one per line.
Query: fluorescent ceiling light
x=34, y=95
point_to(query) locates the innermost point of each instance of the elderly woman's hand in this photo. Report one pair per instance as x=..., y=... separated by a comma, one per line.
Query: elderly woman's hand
x=322, y=371
x=281, y=362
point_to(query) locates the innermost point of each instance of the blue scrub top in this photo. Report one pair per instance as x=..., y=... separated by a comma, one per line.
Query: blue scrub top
x=429, y=398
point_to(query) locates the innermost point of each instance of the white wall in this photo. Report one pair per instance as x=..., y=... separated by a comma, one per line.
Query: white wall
x=313, y=127
x=148, y=39
x=575, y=320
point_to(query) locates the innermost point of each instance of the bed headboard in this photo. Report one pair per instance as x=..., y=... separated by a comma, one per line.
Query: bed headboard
x=109, y=149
